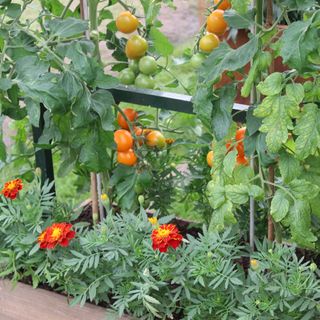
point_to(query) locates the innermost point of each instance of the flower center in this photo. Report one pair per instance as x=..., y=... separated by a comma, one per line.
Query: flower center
x=163, y=233
x=11, y=186
x=56, y=233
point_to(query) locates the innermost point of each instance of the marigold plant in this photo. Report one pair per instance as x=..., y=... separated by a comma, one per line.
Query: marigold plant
x=11, y=188
x=56, y=234
x=167, y=235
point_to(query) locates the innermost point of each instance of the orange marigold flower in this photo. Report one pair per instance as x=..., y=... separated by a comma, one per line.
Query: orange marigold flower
x=12, y=188
x=57, y=234
x=167, y=235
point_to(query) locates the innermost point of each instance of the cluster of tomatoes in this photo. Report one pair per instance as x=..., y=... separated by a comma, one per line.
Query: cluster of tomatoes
x=130, y=137
x=141, y=67
x=216, y=26
x=237, y=143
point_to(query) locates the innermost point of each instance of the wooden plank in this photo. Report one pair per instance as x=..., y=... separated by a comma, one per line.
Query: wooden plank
x=25, y=303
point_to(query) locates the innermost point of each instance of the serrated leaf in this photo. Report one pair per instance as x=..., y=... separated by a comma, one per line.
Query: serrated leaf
x=161, y=43
x=289, y=166
x=221, y=112
x=102, y=102
x=216, y=194
x=300, y=224
x=303, y=189
x=272, y=85
x=229, y=163
x=238, y=20
x=279, y=206
x=297, y=42
x=240, y=5
x=33, y=109
x=276, y=125
x=295, y=91
x=225, y=58
x=308, y=131
x=5, y=84
x=222, y=217
x=238, y=194
x=256, y=192
x=67, y=27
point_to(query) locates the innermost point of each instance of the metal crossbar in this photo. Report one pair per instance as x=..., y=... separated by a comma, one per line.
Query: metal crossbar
x=144, y=97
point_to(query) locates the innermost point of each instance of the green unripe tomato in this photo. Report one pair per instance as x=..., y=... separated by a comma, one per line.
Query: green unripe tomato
x=141, y=200
x=127, y=76
x=148, y=65
x=134, y=65
x=197, y=60
x=144, y=81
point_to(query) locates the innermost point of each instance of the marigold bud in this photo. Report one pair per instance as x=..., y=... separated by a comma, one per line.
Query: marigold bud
x=153, y=220
x=141, y=199
x=254, y=264
x=313, y=267
x=104, y=197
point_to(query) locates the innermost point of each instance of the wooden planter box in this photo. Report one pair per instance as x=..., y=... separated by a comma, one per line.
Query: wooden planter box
x=25, y=303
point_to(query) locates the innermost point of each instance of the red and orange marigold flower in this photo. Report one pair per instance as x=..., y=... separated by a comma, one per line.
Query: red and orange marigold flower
x=167, y=235
x=56, y=234
x=12, y=188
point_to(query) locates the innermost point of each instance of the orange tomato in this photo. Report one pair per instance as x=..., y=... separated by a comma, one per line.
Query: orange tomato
x=123, y=140
x=127, y=158
x=240, y=134
x=136, y=47
x=216, y=23
x=127, y=22
x=210, y=159
x=225, y=4
x=242, y=160
x=131, y=114
x=155, y=139
x=138, y=132
x=209, y=42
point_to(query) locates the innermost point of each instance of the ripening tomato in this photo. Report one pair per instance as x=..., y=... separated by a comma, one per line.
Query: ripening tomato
x=145, y=82
x=136, y=47
x=216, y=23
x=127, y=158
x=210, y=159
x=242, y=160
x=155, y=139
x=127, y=76
x=127, y=22
x=131, y=115
x=123, y=140
x=224, y=5
x=209, y=42
x=139, y=135
x=240, y=134
x=148, y=65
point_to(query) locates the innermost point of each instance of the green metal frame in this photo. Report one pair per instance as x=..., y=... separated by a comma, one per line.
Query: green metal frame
x=145, y=97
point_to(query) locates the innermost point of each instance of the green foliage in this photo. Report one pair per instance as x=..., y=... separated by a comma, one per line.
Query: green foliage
x=114, y=263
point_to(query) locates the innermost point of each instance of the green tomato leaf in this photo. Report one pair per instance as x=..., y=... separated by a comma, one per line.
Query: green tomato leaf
x=279, y=206
x=33, y=109
x=5, y=84
x=308, y=131
x=276, y=124
x=225, y=58
x=102, y=102
x=241, y=5
x=161, y=43
x=222, y=216
x=216, y=194
x=238, y=194
x=237, y=20
x=229, y=163
x=295, y=91
x=222, y=108
x=69, y=27
x=298, y=41
x=272, y=85
x=289, y=167
x=300, y=224
x=303, y=189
